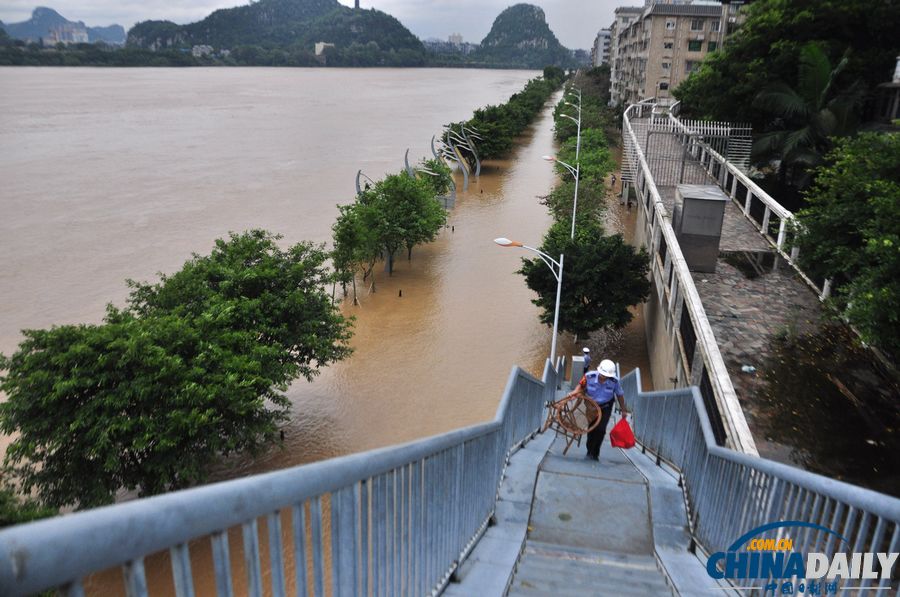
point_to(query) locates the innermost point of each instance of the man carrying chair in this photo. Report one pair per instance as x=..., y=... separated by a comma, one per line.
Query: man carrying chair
x=603, y=387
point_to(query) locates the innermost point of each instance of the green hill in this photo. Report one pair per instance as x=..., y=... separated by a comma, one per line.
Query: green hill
x=289, y=24
x=520, y=37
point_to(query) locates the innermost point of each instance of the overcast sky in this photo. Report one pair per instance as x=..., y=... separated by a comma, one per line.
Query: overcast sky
x=575, y=22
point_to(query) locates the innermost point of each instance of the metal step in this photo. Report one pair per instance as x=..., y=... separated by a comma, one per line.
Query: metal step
x=564, y=573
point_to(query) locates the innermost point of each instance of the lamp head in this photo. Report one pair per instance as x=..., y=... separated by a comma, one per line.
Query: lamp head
x=505, y=242
x=549, y=158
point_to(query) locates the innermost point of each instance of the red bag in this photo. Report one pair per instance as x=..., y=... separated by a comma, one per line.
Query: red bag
x=621, y=435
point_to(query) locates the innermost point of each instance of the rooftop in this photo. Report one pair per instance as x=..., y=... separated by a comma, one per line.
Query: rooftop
x=684, y=10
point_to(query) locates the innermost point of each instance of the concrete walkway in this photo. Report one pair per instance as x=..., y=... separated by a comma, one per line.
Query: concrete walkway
x=569, y=526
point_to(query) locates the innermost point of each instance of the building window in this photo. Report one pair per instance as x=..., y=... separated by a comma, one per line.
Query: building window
x=670, y=25
x=711, y=46
x=663, y=86
x=666, y=65
x=695, y=45
x=696, y=24
x=714, y=26
x=668, y=45
x=690, y=66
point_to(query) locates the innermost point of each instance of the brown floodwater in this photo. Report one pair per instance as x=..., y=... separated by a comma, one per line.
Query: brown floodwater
x=112, y=174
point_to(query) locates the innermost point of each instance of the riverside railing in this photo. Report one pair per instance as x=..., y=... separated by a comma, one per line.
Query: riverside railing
x=729, y=493
x=694, y=341
x=398, y=520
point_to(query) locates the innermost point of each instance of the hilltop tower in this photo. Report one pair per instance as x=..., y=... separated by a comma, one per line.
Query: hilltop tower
x=356, y=5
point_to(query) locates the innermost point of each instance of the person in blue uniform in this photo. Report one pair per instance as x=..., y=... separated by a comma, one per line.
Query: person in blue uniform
x=603, y=387
x=586, y=352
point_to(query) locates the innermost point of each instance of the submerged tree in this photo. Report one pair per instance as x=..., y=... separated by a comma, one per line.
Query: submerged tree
x=438, y=176
x=403, y=212
x=356, y=246
x=193, y=369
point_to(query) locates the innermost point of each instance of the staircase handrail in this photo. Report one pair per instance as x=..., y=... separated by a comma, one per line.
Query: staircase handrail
x=729, y=493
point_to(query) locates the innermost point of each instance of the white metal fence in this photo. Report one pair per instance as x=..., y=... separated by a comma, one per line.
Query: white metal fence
x=697, y=350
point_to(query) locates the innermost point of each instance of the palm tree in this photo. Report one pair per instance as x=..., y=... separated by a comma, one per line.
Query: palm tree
x=808, y=116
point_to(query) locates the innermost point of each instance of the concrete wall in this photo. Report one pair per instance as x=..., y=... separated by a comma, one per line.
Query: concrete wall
x=660, y=342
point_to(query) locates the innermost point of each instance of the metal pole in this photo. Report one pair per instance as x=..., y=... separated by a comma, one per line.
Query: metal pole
x=578, y=141
x=556, y=313
x=575, y=202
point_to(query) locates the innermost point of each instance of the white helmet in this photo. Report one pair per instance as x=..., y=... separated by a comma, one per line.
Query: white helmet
x=607, y=368
x=586, y=349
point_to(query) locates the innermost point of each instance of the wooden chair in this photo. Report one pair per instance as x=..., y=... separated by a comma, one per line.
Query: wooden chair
x=572, y=417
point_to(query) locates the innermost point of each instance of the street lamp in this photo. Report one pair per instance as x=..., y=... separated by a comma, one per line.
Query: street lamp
x=577, y=121
x=556, y=267
x=576, y=171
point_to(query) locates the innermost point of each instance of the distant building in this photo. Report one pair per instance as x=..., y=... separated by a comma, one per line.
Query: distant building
x=600, y=51
x=663, y=45
x=322, y=46
x=202, y=51
x=356, y=5
x=453, y=45
x=625, y=16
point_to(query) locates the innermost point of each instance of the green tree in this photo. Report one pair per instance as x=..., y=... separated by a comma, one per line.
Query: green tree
x=596, y=160
x=14, y=510
x=194, y=369
x=404, y=212
x=602, y=277
x=766, y=49
x=554, y=74
x=356, y=245
x=807, y=116
x=851, y=232
x=442, y=182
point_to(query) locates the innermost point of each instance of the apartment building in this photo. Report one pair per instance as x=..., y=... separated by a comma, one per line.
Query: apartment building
x=600, y=51
x=661, y=47
x=625, y=16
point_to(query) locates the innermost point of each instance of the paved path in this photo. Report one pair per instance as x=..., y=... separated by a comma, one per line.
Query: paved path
x=568, y=526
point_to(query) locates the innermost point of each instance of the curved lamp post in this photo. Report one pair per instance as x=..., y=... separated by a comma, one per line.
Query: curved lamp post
x=577, y=121
x=441, y=158
x=556, y=267
x=359, y=174
x=576, y=171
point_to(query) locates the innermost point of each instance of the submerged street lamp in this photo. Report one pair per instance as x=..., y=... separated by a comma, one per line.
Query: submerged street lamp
x=557, y=268
x=576, y=171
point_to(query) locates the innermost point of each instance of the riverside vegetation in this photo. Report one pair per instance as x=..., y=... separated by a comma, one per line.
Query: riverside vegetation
x=603, y=275
x=401, y=211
